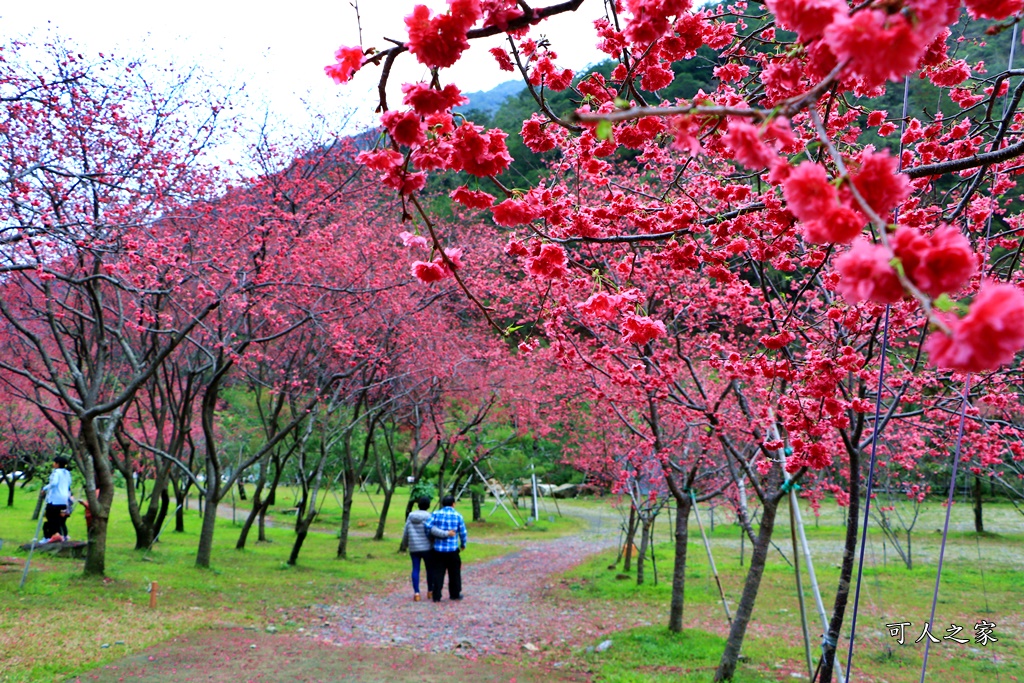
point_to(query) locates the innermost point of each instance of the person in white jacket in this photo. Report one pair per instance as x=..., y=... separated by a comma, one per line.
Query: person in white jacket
x=58, y=497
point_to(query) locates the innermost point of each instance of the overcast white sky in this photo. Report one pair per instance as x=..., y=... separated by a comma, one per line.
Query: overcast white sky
x=278, y=50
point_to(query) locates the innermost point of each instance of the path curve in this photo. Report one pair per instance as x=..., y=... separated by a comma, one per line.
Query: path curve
x=504, y=606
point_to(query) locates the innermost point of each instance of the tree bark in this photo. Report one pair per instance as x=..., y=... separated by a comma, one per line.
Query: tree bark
x=300, y=538
x=181, y=500
x=641, y=555
x=346, y=514
x=161, y=515
x=745, y=609
x=478, y=504
x=979, y=522
x=40, y=499
x=96, y=553
x=682, y=539
x=910, y=552
x=254, y=513
x=271, y=497
x=828, y=654
x=302, y=506
x=627, y=562
x=388, y=493
x=205, y=551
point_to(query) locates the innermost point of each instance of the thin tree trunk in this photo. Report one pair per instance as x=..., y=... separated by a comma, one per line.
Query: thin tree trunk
x=979, y=522
x=302, y=505
x=910, y=556
x=161, y=515
x=828, y=654
x=271, y=496
x=478, y=505
x=388, y=493
x=641, y=555
x=254, y=513
x=205, y=551
x=346, y=514
x=40, y=499
x=745, y=609
x=627, y=562
x=682, y=538
x=181, y=498
x=300, y=538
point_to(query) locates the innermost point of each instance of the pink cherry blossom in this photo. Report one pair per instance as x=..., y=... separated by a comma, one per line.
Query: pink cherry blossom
x=987, y=337
x=866, y=274
x=349, y=59
x=641, y=329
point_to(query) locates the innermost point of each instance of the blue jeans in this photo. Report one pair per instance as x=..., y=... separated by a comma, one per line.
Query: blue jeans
x=427, y=557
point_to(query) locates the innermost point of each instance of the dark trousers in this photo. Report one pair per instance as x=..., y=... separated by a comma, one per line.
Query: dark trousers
x=452, y=564
x=56, y=522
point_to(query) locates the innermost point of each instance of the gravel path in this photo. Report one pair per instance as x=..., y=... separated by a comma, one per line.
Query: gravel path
x=505, y=605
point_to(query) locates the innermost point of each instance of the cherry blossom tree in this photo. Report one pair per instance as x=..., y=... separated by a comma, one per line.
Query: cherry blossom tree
x=95, y=156
x=829, y=274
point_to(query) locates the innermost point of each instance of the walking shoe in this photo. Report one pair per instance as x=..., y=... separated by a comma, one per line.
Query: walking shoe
x=430, y=595
x=416, y=597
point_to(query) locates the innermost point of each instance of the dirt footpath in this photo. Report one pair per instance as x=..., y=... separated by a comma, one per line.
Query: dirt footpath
x=495, y=633
x=235, y=655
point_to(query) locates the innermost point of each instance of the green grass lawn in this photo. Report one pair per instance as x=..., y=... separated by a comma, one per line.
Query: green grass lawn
x=253, y=587
x=982, y=580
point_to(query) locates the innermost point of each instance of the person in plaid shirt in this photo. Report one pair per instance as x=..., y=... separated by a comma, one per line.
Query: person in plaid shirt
x=448, y=530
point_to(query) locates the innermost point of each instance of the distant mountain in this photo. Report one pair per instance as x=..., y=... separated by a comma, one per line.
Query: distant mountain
x=491, y=100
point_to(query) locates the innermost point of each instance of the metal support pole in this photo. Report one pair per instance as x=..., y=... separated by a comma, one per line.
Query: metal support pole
x=32, y=547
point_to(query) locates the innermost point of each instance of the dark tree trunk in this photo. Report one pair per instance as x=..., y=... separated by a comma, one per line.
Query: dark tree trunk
x=388, y=493
x=254, y=513
x=302, y=530
x=828, y=654
x=261, y=536
x=181, y=499
x=10, y=492
x=979, y=522
x=478, y=504
x=675, y=610
x=745, y=609
x=144, y=533
x=205, y=551
x=241, y=490
x=146, y=524
x=910, y=552
x=95, y=556
x=641, y=555
x=271, y=497
x=300, y=538
x=40, y=499
x=346, y=514
x=301, y=506
x=627, y=562
x=161, y=515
